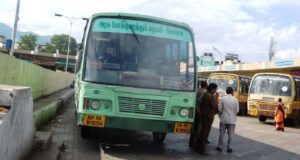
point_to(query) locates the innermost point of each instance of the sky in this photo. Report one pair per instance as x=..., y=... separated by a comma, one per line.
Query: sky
x=244, y=27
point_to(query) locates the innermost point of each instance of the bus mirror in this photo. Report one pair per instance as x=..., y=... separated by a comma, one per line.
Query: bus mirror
x=198, y=58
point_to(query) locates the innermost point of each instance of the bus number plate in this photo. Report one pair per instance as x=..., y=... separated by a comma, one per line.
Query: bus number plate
x=253, y=112
x=93, y=120
x=182, y=127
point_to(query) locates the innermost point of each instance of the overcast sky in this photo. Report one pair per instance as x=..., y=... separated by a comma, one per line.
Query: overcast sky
x=237, y=26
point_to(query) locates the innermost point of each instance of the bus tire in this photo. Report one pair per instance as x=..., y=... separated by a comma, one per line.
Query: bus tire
x=262, y=118
x=85, y=132
x=159, y=137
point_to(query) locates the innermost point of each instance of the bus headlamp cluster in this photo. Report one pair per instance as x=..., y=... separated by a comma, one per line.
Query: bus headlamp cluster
x=252, y=106
x=97, y=104
x=183, y=112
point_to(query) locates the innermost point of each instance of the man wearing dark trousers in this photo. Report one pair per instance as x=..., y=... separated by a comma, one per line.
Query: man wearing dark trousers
x=208, y=109
x=197, y=123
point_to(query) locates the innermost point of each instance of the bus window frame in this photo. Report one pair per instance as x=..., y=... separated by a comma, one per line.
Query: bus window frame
x=81, y=49
x=297, y=89
x=89, y=30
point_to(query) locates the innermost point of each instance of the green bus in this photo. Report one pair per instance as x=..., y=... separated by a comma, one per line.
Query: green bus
x=136, y=72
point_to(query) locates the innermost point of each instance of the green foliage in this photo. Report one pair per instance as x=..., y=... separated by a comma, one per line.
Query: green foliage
x=49, y=48
x=60, y=42
x=28, y=42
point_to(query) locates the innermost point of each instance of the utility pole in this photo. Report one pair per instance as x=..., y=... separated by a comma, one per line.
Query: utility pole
x=13, y=37
x=272, y=49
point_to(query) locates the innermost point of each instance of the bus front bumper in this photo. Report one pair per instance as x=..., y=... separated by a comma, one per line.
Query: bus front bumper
x=133, y=124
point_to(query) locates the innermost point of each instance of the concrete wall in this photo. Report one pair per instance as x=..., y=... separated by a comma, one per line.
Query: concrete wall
x=16, y=124
x=42, y=81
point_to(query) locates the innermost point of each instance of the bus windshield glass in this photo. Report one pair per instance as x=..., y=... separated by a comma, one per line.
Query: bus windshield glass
x=224, y=81
x=271, y=85
x=139, y=54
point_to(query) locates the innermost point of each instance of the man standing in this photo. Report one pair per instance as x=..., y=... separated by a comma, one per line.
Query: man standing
x=208, y=109
x=197, y=124
x=228, y=109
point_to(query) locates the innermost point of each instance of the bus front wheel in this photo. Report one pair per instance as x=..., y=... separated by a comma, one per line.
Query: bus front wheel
x=159, y=137
x=262, y=118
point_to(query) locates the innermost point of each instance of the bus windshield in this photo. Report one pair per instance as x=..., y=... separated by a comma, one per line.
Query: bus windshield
x=271, y=85
x=223, y=82
x=139, y=54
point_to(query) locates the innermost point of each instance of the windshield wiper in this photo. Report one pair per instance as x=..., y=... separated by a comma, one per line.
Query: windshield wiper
x=131, y=28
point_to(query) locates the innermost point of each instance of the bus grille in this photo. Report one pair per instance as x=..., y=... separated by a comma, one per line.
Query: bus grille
x=267, y=107
x=142, y=106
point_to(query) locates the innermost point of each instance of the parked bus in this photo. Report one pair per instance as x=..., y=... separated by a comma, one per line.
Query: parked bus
x=240, y=85
x=267, y=88
x=136, y=72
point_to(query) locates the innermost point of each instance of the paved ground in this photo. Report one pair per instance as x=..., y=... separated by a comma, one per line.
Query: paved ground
x=253, y=140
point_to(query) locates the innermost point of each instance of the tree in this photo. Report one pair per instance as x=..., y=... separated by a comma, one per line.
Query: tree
x=49, y=48
x=60, y=42
x=28, y=42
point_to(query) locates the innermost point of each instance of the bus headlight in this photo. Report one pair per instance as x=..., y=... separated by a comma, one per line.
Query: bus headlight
x=107, y=105
x=252, y=107
x=95, y=105
x=184, y=112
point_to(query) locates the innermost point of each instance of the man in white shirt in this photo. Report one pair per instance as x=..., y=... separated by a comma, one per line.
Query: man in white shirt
x=228, y=109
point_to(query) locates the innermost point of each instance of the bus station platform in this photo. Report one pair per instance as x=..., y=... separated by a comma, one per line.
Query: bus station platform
x=252, y=140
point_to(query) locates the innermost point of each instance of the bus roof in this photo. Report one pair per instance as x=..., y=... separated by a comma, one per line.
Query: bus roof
x=231, y=74
x=279, y=74
x=146, y=17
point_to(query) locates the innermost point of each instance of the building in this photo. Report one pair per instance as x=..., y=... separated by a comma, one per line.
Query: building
x=2, y=41
x=206, y=60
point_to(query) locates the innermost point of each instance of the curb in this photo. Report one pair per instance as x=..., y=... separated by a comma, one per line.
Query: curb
x=65, y=97
x=46, y=113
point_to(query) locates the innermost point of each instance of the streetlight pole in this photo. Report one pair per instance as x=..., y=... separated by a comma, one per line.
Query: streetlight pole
x=13, y=37
x=68, y=52
x=71, y=20
x=214, y=48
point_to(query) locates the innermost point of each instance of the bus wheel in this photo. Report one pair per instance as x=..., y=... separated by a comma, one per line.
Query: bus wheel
x=85, y=131
x=262, y=118
x=159, y=137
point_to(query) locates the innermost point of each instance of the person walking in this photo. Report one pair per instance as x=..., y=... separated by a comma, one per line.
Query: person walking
x=208, y=109
x=279, y=116
x=228, y=109
x=197, y=123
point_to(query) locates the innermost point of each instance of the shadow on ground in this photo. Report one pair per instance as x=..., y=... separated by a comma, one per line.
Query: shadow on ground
x=125, y=144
